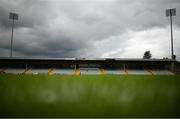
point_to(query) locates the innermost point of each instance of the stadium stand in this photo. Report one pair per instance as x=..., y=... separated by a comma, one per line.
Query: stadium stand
x=151, y=72
x=76, y=71
x=38, y=71
x=86, y=71
x=71, y=66
x=89, y=71
x=26, y=70
x=2, y=70
x=13, y=71
x=64, y=71
x=163, y=72
x=126, y=71
x=101, y=71
x=116, y=71
x=51, y=71
x=137, y=72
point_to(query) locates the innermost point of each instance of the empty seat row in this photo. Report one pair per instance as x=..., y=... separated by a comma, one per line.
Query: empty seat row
x=84, y=71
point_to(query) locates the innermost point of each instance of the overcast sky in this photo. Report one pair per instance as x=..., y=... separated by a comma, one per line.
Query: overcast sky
x=89, y=28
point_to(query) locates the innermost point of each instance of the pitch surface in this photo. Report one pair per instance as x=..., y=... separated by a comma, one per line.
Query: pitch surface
x=89, y=96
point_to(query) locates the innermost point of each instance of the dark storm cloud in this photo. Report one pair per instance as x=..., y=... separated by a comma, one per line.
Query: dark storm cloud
x=31, y=12
x=79, y=28
x=32, y=36
x=50, y=48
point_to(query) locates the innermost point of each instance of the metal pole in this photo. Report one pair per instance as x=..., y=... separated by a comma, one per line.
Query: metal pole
x=172, y=48
x=11, y=54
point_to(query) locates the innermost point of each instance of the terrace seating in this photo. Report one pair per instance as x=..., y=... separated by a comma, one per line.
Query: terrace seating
x=38, y=71
x=163, y=72
x=89, y=71
x=13, y=71
x=2, y=70
x=85, y=71
x=117, y=71
x=101, y=71
x=64, y=71
x=138, y=72
x=126, y=71
x=51, y=71
x=26, y=70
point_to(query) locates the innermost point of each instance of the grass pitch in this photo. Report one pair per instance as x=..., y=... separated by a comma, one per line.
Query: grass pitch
x=89, y=96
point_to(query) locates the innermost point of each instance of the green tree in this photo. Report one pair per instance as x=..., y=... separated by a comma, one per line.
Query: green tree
x=147, y=55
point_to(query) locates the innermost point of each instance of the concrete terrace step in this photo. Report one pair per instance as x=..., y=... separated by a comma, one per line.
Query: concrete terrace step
x=84, y=71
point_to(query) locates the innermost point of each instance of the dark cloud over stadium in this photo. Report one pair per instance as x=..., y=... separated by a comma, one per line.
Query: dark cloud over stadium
x=89, y=28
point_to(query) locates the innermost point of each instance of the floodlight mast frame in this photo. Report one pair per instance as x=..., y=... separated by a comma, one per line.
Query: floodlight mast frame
x=12, y=37
x=13, y=17
x=170, y=13
x=172, y=46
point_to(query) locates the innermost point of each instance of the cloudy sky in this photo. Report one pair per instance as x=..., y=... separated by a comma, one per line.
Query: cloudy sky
x=89, y=28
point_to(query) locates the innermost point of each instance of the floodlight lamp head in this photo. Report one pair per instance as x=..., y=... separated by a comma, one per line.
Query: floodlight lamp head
x=171, y=12
x=13, y=16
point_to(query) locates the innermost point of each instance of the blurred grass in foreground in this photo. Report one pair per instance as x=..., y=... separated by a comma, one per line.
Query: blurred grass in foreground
x=89, y=96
